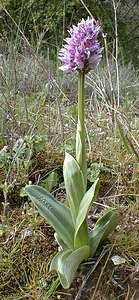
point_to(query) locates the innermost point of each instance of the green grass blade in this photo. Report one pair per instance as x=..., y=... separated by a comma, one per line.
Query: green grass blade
x=56, y=213
x=123, y=137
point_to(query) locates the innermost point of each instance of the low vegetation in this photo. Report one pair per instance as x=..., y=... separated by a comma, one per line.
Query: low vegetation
x=38, y=111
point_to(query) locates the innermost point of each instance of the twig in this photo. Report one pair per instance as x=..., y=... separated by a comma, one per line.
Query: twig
x=128, y=293
x=102, y=271
x=28, y=295
x=118, y=195
x=132, y=147
x=61, y=127
x=112, y=96
x=87, y=9
x=116, y=51
x=104, y=251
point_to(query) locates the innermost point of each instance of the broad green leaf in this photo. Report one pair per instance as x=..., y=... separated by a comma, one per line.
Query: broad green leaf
x=104, y=226
x=67, y=262
x=51, y=181
x=75, y=188
x=60, y=241
x=123, y=137
x=85, y=204
x=74, y=184
x=57, y=214
x=82, y=237
x=74, y=260
x=59, y=263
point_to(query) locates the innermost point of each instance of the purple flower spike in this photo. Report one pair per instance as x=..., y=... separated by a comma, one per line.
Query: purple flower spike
x=82, y=50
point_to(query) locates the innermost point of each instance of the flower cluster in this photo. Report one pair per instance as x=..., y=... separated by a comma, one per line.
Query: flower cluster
x=82, y=50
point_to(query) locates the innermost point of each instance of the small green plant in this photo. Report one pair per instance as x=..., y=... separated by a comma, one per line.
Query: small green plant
x=50, y=182
x=76, y=241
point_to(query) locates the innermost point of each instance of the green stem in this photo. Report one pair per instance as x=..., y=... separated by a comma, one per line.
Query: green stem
x=80, y=135
x=81, y=83
x=82, y=238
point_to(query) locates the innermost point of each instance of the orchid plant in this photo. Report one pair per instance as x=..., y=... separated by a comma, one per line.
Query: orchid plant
x=81, y=53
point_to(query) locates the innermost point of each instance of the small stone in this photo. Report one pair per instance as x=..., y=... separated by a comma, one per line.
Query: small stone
x=118, y=260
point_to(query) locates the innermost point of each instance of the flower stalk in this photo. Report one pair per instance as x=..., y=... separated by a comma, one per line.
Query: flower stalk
x=80, y=134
